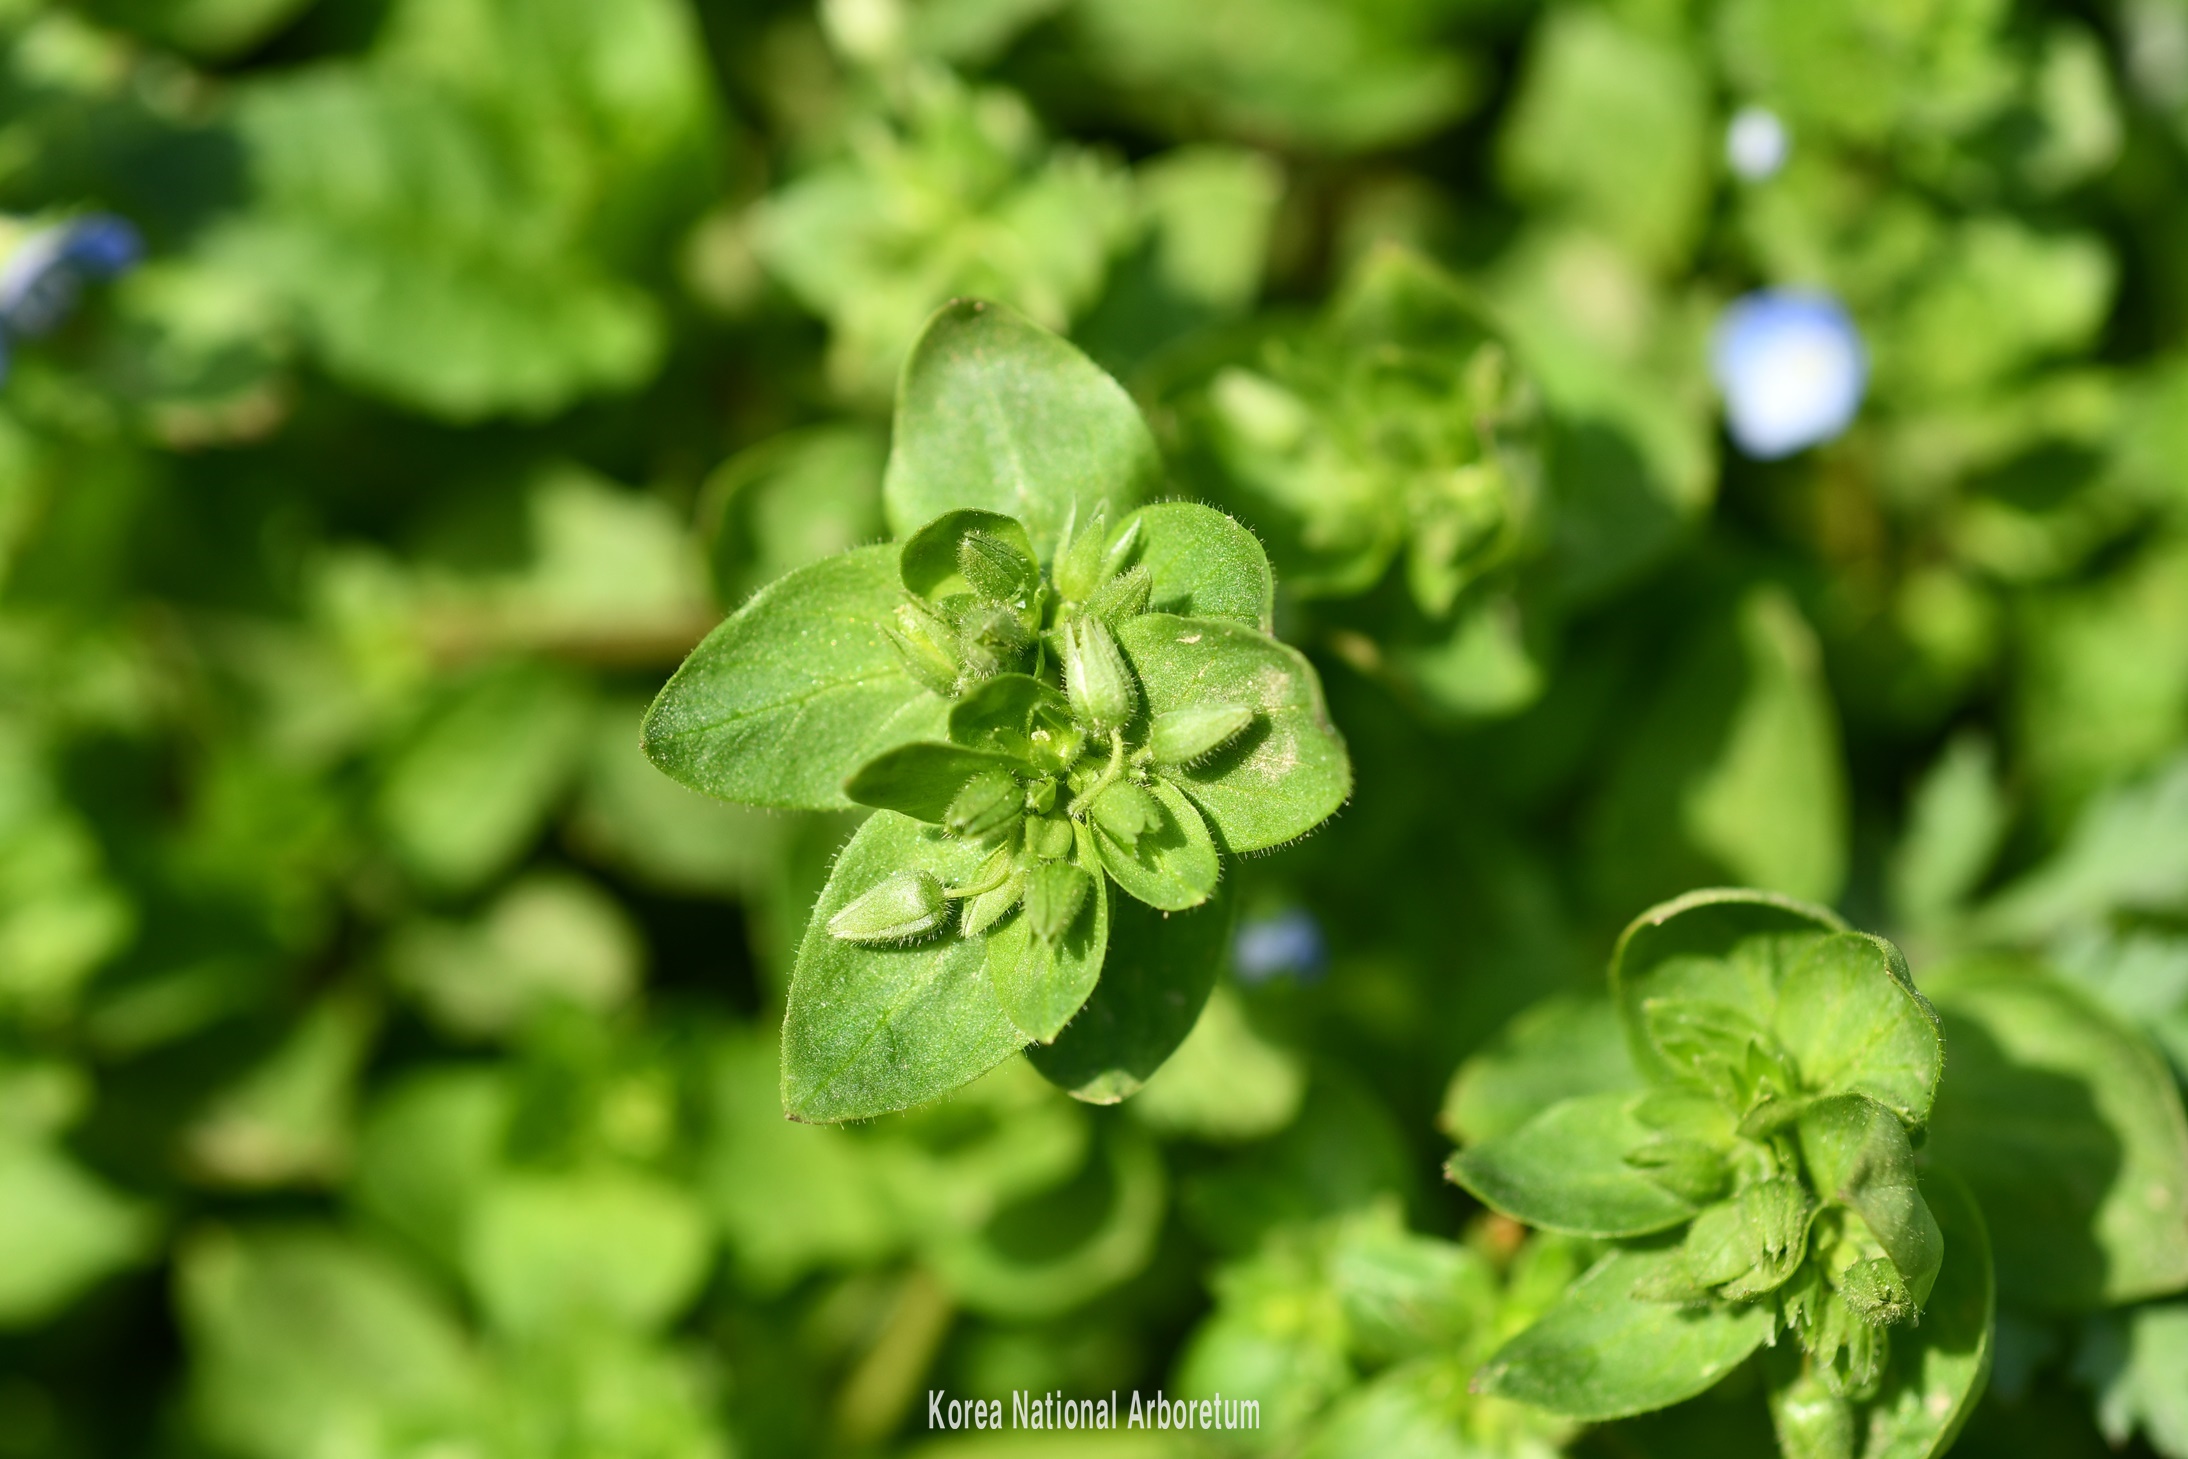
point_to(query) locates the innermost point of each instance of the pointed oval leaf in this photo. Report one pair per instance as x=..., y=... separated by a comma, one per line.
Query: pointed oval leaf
x=874, y=1029
x=795, y=691
x=1567, y=1170
x=1857, y=1154
x=1041, y=982
x=921, y=780
x=1938, y=1369
x=2069, y=1128
x=1287, y=772
x=1685, y=948
x=1156, y=976
x=929, y=561
x=996, y=413
x=1602, y=1353
x=1201, y=564
x=1849, y=1015
x=1172, y=866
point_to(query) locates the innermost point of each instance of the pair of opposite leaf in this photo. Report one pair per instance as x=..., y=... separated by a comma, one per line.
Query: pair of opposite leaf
x=1044, y=707
x=1760, y=1188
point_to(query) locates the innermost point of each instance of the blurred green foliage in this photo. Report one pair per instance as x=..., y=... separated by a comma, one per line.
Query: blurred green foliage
x=388, y=1053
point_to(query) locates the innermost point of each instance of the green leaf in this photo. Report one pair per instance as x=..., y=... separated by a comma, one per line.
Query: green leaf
x=1849, y=1015
x=996, y=413
x=921, y=779
x=2134, y=1361
x=474, y=786
x=872, y=1029
x=61, y=1230
x=1567, y=1170
x=293, y=1330
x=1288, y=771
x=1938, y=1368
x=1561, y=1048
x=2069, y=1129
x=929, y=560
x=1204, y=564
x=1601, y=1353
x=553, y=1253
x=1156, y=975
x=1040, y=982
x=1857, y=1155
x=796, y=691
x=1684, y=948
x=1171, y=866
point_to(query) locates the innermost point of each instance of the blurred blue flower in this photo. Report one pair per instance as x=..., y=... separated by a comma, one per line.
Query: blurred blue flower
x=1756, y=143
x=42, y=275
x=1287, y=944
x=1792, y=370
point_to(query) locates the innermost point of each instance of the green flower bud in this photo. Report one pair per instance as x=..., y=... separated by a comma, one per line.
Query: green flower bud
x=1126, y=812
x=1184, y=735
x=1056, y=748
x=1055, y=891
x=1096, y=681
x=1079, y=560
x=905, y=907
x=1875, y=1292
x=1049, y=837
x=997, y=570
x=991, y=906
x=1120, y=551
x=988, y=804
x=928, y=647
x=1123, y=596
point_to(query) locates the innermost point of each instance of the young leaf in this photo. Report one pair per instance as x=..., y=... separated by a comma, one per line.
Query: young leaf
x=998, y=714
x=795, y=691
x=1043, y=971
x=1857, y=1155
x=1288, y=771
x=1937, y=1369
x=921, y=780
x=1171, y=864
x=931, y=562
x=1156, y=975
x=874, y=1029
x=995, y=412
x=1684, y=947
x=1561, y=1047
x=2069, y=1129
x=1567, y=1170
x=1849, y=1015
x=1602, y=1353
x=1202, y=564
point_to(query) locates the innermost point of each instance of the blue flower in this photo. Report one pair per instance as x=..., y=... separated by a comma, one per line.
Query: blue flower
x=1792, y=371
x=1756, y=143
x=41, y=278
x=1286, y=944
